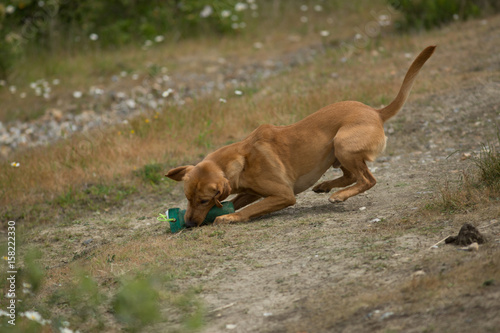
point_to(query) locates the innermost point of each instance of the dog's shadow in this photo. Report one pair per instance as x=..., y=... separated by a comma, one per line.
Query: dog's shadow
x=301, y=211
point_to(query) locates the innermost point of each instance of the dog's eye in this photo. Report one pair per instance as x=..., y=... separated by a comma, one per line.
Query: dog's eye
x=204, y=202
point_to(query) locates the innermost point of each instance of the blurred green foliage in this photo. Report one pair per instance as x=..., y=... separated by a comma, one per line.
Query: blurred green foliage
x=53, y=25
x=136, y=304
x=33, y=272
x=428, y=14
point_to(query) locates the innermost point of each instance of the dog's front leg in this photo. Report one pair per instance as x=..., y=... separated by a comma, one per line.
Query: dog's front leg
x=268, y=205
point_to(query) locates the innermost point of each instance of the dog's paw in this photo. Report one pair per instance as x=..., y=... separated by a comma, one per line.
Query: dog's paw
x=321, y=188
x=335, y=200
x=226, y=219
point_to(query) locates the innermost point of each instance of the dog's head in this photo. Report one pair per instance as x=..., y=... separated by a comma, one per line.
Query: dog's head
x=204, y=186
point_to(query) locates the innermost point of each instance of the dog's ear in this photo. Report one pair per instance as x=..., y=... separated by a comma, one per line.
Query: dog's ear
x=223, y=191
x=179, y=172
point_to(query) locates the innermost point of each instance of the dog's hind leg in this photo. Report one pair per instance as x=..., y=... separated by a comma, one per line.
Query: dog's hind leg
x=244, y=199
x=346, y=180
x=362, y=176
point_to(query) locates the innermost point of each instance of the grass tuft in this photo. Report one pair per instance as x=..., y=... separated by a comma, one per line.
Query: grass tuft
x=488, y=164
x=477, y=185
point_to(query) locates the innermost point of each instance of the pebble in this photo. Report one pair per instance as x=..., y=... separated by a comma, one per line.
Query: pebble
x=87, y=241
x=386, y=315
x=419, y=273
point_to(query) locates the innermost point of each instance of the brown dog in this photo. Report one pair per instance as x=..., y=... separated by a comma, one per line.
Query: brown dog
x=277, y=162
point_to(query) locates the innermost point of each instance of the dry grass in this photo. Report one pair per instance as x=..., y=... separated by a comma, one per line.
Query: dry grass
x=182, y=135
x=92, y=66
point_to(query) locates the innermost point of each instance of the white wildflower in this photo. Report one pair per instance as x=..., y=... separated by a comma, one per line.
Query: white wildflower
x=94, y=37
x=33, y=315
x=238, y=92
x=304, y=19
x=240, y=6
x=304, y=8
x=207, y=11
x=225, y=13
x=65, y=330
x=318, y=8
x=159, y=39
x=324, y=33
x=222, y=100
x=167, y=92
x=384, y=20
x=10, y=9
x=77, y=94
x=15, y=164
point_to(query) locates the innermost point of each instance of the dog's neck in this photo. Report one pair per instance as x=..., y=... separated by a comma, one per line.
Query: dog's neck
x=231, y=168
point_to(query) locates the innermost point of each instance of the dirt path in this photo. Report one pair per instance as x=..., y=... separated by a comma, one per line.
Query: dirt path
x=313, y=250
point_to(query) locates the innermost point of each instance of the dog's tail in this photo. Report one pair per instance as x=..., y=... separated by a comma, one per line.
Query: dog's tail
x=392, y=109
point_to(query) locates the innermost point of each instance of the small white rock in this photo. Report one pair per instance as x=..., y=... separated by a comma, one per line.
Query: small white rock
x=418, y=274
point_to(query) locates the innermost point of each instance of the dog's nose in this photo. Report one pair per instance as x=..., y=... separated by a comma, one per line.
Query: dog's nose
x=190, y=223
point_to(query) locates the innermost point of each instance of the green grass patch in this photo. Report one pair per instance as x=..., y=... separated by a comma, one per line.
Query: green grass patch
x=151, y=173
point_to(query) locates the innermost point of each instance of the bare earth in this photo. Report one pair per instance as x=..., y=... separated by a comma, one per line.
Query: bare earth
x=365, y=265
x=311, y=263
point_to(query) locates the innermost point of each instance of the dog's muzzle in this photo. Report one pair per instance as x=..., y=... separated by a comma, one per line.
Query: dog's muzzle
x=190, y=223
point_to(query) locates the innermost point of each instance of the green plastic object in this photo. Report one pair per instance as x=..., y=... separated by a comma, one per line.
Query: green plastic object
x=175, y=216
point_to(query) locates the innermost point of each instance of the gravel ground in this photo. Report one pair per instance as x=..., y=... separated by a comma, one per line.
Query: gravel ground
x=147, y=94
